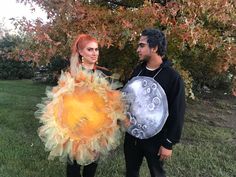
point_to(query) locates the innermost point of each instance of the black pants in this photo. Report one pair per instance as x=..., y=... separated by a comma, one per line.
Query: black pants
x=73, y=170
x=135, y=150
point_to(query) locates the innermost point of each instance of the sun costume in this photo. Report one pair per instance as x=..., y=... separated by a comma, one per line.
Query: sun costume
x=80, y=117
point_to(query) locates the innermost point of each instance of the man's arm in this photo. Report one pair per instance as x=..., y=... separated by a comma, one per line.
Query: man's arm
x=175, y=120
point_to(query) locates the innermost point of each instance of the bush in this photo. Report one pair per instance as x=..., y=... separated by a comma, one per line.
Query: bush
x=202, y=65
x=56, y=65
x=12, y=69
x=121, y=61
x=51, y=72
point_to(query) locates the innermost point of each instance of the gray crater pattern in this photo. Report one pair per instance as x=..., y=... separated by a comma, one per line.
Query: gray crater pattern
x=147, y=107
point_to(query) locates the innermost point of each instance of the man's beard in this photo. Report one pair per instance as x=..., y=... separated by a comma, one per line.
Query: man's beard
x=146, y=58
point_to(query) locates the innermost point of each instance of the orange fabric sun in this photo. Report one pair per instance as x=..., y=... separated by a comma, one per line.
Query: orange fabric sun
x=80, y=118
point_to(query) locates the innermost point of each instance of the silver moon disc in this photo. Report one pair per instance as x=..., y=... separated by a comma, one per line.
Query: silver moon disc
x=147, y=107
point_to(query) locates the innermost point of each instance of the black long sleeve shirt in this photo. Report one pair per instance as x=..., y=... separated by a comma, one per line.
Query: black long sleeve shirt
x=173, y=86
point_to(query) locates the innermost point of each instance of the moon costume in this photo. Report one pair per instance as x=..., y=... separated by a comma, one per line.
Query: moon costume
x=147, y=106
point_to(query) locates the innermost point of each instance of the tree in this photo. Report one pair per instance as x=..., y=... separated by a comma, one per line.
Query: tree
x=207, y=26
x=8, y=45
x=3, y=29
x=12, y=65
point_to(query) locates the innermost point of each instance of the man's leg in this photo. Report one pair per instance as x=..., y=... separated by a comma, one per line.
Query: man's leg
x=90, y=170
x=73, y=169
x=133, y=156
x=154, y=164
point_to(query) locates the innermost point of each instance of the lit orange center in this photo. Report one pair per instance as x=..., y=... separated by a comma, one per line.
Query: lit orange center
x=83, y=113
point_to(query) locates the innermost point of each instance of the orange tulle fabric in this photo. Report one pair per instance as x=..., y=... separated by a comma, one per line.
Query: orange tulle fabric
x=80, y=118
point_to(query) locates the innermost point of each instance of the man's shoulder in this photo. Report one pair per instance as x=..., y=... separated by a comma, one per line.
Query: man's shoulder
x=172, y=72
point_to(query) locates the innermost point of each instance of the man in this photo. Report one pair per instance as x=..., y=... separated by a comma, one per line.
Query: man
x=156, y=106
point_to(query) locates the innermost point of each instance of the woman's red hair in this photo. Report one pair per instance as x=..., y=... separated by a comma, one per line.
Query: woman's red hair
x=81, y=41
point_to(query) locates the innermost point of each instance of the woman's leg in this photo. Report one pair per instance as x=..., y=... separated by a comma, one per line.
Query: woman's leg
x=73, y=169
x=90, y=170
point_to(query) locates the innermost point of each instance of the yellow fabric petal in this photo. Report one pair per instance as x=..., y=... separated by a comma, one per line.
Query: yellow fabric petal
x=79, y=118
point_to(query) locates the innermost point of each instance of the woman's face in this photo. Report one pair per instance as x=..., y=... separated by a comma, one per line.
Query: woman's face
x=90, y=53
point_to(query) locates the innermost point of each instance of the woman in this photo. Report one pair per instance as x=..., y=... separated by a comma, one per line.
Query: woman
x=80, y=114
x=85, y=52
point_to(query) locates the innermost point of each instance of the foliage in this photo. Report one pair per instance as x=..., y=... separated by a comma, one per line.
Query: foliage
x=119, y=61
x=8, y=45
x=3, y=28
x=117, y=3
x=12, y=64
x=56, y=65
x=204, y=26
x=12, y=69
x=50, y=72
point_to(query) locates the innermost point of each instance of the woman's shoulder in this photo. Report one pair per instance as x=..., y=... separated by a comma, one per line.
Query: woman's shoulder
x=105, y=71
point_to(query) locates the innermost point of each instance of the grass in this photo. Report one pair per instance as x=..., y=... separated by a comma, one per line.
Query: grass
x=206, y=150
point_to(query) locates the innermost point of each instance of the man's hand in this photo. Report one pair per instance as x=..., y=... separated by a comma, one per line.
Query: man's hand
x=164, y=153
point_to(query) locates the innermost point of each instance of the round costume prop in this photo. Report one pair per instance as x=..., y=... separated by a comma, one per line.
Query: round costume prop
x=147, y=106
x=80, y=118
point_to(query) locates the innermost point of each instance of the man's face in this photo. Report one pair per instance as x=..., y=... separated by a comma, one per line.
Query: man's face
x=144, y=51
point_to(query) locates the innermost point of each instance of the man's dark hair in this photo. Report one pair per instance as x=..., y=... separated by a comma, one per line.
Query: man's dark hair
x=156, y=38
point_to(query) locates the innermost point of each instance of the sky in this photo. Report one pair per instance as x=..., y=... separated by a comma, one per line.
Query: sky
x=11, y=9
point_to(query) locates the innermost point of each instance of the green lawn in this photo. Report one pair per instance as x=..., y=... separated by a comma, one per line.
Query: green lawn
x=206, y=150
